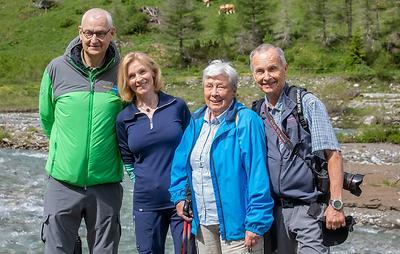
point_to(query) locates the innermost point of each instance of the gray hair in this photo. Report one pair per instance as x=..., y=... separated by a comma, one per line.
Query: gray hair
x=264, y=48
x=219, y=67
x=97, y=13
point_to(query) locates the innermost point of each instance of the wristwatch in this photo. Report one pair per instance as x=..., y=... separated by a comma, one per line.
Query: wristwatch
x=337, y=204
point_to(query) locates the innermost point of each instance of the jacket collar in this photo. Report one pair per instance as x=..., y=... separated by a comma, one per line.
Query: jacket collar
x=132, y=110
x=74, y=49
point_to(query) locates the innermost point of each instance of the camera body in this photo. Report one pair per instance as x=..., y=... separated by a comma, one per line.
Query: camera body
x=351, y=182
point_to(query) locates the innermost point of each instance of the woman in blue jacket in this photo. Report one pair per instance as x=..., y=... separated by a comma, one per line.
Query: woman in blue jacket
x=222, y=155
x=149, y=129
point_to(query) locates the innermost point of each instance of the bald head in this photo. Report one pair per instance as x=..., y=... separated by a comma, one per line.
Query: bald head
x=97, y=14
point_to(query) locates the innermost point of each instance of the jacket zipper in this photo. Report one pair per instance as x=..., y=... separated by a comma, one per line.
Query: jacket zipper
x=219, y=194
x=151, y=119
x=91, y=95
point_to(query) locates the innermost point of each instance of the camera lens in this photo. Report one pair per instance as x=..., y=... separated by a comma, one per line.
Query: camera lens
x=352, y=183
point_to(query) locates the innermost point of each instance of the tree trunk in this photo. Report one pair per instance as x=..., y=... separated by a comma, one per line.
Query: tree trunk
x=368, y=26
x=349, y=18
x=286, y=23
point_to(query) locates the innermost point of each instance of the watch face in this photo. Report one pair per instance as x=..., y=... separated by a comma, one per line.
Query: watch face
x=337, y=204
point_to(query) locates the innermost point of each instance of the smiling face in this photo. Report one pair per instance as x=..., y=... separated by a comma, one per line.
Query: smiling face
x=140, y=78
x=269, y=73
x=95, y=26
x=218, y=94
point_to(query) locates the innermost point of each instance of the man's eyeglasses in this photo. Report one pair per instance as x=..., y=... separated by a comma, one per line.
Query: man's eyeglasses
x=99, y=35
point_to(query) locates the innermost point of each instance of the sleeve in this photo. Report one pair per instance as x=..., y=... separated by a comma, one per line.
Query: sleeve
x=46, y=104
x=323, y=136
x=126, y=154
x=259, y=215
x=179, y=172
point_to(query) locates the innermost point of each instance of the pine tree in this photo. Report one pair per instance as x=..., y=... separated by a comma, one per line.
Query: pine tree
x=180, y=23
x=256, y=21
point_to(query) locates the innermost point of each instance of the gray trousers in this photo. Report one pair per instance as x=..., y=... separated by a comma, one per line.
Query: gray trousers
x=66, y=205
x=298, y=232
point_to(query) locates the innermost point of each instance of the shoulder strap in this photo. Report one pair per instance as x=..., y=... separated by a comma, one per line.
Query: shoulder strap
x=256, y=106
x=296, y=94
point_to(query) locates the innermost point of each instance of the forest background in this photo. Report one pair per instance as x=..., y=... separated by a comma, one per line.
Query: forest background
x=338, y=49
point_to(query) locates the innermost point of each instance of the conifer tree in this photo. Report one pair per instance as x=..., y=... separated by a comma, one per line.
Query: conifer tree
x=255, y=19
x=180, y=24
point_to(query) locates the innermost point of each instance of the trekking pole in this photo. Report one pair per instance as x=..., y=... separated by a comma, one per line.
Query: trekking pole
x=184, y=234
x=188, y=238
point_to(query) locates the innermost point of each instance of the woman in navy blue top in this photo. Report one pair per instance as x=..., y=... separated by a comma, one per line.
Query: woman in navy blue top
x=149, y=129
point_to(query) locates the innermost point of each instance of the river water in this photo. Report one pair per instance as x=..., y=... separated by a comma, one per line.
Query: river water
x=22, y=184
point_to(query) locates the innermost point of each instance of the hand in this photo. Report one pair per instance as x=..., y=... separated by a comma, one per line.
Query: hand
x=334, y=219
x=179, y=210
x=251, y=239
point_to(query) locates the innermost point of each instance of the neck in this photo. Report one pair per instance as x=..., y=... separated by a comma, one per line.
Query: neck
x=149, y=100
x=93, y=61
x=272, y=99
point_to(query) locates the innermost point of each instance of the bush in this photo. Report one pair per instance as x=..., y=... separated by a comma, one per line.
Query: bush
x=130, y=21
x=203, y=52
x=355, y=53
x=379, y=133
x=311, y=58
x=3, y=133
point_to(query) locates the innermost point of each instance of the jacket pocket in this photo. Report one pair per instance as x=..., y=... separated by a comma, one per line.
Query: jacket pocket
x=45, y=224
x=53, y=157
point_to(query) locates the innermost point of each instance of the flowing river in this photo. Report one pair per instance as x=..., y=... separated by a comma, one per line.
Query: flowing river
x=22, y=185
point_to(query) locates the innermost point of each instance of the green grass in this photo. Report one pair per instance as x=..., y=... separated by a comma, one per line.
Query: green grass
x=373, y=134
x=3, y=133
x=19, y=97
x=32, y=37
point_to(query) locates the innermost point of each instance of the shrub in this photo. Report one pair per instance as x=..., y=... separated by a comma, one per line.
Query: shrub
x=3, y=133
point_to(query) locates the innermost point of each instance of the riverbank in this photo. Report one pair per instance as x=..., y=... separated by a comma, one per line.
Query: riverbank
x=379, y=204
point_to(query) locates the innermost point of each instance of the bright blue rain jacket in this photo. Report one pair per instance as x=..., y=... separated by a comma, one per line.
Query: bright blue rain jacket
x=238, y=171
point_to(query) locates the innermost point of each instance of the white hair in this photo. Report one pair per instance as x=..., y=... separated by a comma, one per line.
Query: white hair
x=219, y=67
x=264, y=48
x=98, y=13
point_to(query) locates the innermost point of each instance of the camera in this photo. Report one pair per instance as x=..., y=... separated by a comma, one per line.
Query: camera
x=352, y=182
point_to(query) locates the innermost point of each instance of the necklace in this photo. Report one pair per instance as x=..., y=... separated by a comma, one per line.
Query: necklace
x=145, y=109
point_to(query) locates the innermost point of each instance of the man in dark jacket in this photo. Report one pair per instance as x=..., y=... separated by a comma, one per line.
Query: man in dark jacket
x=78, y=106
x=298, y=211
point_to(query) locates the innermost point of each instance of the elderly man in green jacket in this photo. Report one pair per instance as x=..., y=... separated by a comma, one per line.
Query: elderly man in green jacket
x=78, y=106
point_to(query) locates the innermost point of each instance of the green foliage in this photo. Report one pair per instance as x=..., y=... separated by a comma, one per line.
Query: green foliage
x=19, y=97
x=356, y=52
x=3, y=133
x=181, y=23
x=374, y=134
x=129, y=20
x=32, y=37
x=307, y=57
x=255, y=21
x=221, y=30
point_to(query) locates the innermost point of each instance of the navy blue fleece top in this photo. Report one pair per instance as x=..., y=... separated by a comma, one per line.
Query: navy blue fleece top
x=149, y=148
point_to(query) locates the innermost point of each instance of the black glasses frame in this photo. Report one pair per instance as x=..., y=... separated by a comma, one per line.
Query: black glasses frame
x=100, y=35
